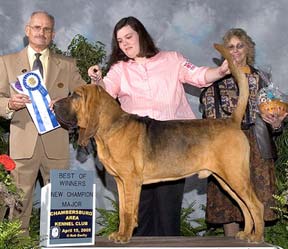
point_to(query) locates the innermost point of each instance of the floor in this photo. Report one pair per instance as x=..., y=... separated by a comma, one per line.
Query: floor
x=192, y=242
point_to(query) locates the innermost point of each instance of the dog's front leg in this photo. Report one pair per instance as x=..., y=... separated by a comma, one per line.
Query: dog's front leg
x=129, y=194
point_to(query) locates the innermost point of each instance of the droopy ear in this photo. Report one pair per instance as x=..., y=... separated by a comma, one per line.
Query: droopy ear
x=91, y=114
x=86, y=133
x=82, y=139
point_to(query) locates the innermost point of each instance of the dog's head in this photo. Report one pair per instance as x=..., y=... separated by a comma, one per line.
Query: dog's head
x=79, y=109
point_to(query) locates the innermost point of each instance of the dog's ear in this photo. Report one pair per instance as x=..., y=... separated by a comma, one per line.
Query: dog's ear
x=84, y=136
x=82, y=140
x=90, y=112
x=86, y=133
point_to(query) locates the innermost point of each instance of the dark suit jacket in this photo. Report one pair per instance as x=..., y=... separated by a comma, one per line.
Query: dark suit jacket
x=62, y=77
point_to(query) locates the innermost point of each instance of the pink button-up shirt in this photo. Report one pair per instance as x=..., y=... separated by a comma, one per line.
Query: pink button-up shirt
x=155, y=88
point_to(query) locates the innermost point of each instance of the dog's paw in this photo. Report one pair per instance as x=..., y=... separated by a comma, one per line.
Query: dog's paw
x=118, y=238
x=242, y=235
x=256, y=239
x=251, y=238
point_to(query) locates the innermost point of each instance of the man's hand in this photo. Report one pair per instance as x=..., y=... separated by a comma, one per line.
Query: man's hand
x=18, y=101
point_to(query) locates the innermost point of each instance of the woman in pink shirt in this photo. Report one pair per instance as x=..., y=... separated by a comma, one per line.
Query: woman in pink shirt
x=149, y=82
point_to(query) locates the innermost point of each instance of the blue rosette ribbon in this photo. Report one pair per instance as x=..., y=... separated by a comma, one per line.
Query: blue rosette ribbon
x=32, y=82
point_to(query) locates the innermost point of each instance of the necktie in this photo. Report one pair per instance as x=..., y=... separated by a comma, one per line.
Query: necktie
x=37, y=64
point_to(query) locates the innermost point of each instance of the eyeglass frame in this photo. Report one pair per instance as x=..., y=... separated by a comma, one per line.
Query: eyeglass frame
x=37, y=29
x=239, y=46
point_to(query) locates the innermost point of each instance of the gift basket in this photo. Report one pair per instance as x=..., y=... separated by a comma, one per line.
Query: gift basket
x=271, y=100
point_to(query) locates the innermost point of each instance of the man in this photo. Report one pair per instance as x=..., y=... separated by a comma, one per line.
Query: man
x=30, y=150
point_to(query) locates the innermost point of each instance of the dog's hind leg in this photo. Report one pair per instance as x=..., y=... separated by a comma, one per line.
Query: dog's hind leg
x=246, y=213
x=257, y=211
x=251, y=207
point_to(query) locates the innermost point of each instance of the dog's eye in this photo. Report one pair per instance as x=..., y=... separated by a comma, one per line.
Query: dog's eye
x=75, y=95
x=74, y=99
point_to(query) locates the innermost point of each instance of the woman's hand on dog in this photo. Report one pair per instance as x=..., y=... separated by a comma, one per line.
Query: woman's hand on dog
x=95, y=74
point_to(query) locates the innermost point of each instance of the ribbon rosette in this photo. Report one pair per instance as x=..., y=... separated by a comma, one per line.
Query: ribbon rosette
x=43, y=117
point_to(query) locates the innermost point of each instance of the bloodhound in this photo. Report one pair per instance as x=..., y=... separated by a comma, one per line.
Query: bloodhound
x=139, y=150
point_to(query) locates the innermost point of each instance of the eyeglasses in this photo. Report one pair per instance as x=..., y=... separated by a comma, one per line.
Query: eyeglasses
x=239, y=46
x=37, y=29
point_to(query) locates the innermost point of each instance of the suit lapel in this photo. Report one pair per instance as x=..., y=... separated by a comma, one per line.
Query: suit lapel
x=23, y=65
x=52, y=70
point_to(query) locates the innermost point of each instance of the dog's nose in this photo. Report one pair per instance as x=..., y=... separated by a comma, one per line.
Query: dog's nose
x=56, y=106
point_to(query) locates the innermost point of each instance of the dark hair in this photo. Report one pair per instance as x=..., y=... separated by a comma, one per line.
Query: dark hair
x=147, y=46
x=244, y=37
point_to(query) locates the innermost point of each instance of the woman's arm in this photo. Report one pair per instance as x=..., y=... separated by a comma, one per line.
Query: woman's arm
x=95, y=74
x=216, y=73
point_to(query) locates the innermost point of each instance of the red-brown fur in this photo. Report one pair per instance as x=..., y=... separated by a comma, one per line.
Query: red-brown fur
x=138, y=151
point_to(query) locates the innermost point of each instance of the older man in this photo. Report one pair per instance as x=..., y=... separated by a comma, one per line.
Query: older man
x=30, y=150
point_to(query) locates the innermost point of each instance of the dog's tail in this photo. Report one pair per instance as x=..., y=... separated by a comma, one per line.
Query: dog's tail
x=242, y=82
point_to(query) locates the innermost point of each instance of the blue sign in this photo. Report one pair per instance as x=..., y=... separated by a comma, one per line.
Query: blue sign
x=71, y=213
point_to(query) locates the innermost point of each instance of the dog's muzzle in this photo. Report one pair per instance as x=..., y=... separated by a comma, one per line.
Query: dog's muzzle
x=64, y=115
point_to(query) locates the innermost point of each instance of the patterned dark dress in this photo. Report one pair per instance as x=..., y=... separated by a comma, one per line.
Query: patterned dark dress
x=218, y=101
